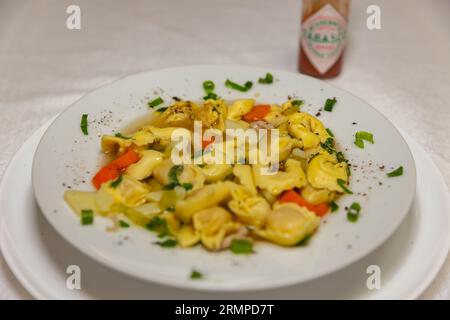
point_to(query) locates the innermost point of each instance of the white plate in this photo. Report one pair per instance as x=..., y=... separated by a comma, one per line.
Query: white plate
x=39, y=257
x=65, y=156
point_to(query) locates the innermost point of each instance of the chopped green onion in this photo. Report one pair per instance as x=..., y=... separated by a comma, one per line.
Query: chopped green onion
x=187, y=186
x=396, y=173
x=233, y=85
x=119, y=135
x=341, y=183
x=353, y=212
x=116, y=182
x=210, y=95
x=340, y=157
x=84, y=124
x=334, y=206
x=329, y=104
x=305, y=241
x=208, y=86
x=268, y=79
x=360, y=136
x=158, y=225
x=123, y=224
x=156, y=102
x=87, y=217
x=196, y=274
x=330, y=132
x=297, y=102
x=328, y=145
x=168, y=243
x=241, y=246
x=161, y=109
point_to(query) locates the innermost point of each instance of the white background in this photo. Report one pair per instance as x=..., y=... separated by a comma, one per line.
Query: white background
x=403, y=69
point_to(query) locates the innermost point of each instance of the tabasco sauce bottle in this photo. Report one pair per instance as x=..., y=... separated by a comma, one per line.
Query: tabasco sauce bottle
x=323, y=36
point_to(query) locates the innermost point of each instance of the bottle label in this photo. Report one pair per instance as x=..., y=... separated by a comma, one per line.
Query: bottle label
x=323, y=38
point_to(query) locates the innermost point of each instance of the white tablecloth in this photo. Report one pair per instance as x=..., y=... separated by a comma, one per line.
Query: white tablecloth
x=402, y=69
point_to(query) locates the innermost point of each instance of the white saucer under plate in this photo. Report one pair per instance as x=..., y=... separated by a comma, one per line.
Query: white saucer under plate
x=39, y=257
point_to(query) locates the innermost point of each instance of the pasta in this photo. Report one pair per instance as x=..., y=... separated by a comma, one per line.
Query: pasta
x=216, y=203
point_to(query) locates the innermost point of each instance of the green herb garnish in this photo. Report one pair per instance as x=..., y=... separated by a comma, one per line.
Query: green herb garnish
x=173, y=174
x=87, y=217
x=353, y=212
x=116, y=182
x=340, y=157
x=341, y=183
x=233, y=85
x=196, y=274
x=334, y=206
x=161, y=109
x=305, y=241
x=241, y=246
x=119, y=135
x=268, y=79
x=330, y=132
x=124, y=224
x=156, y=102
x=360, y=136
x=328, y=145
x=396, y=173
x=329, y=104
x=209, y=87
x=158, y=225
x=168, y=243
x=297, y=102
x=84, y=124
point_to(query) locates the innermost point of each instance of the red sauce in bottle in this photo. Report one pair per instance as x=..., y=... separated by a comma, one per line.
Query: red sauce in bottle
x=323, y=37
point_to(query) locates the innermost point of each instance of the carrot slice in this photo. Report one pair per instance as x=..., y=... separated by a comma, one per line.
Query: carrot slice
x=112, y=170
x=107, y=173
x=258, y=112
x=129, y=157
x=292, y=196
x=206, y=143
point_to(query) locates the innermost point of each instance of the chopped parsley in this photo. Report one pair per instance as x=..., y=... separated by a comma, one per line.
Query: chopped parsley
x=341, y=183
x=156, y=102
x=241, y=246
x=353, y=212
x=124, y=224
x=235, y=86
x=268, y=79
x=84, y=124
x=329, y=104
x=87, y=217
x=116, y=182
x=396, y=173
x=168, y=243
x=196, y=274
x=334, y=206
x=362, y=136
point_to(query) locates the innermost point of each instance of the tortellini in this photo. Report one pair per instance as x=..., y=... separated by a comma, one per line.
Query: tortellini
x=239, y=108
x=288, y=224
x=214, y=203
x=144, y=167
x=323, y=172
x=307, y=129
x=292, y=177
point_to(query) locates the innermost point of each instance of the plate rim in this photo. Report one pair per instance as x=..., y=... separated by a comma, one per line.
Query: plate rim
x=273, y=283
